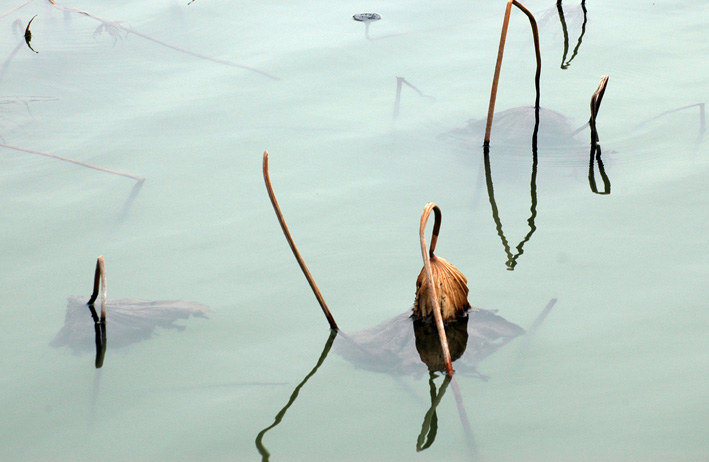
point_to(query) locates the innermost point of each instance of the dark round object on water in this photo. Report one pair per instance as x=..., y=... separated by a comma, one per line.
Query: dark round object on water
x=367, y=17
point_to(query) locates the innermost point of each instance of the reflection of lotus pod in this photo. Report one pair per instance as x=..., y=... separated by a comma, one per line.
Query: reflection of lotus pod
x=451, y=288
x=428, y=344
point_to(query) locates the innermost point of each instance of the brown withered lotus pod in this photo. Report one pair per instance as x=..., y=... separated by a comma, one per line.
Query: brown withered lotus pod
x=441, y=282
x=451, y=290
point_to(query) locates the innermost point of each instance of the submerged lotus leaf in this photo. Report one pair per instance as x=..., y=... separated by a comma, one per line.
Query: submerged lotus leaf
x=128, y=321
x=402, y=346
x=514, y=127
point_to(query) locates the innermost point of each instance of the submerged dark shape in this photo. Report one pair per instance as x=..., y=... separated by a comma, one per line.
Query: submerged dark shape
x=514, y=127
x=401, y=346
x=28, y=34
x=131, y=320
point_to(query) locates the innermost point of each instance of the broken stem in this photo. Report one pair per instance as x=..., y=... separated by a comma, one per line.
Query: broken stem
x=498, y=65
x=99, y=277
x=596, y=99
x=294, y=249
x=427, y=255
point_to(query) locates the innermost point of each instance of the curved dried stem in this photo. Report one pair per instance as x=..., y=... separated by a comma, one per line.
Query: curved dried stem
x=429, y=278
x=498, y=65
x=294, y=249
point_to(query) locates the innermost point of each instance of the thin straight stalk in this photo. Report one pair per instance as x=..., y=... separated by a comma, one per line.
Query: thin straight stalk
x=139, y=179
x=294, y=249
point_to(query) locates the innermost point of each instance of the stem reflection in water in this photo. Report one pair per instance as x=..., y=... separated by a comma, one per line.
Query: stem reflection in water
x=564, y=63
x=430, y=421
x=512, y=258
x=265, y=455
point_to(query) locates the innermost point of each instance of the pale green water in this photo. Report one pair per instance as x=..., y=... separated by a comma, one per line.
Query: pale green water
x=618, y=369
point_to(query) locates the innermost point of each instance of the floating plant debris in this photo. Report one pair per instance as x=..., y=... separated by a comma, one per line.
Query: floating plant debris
x=131, y=320
x=28, y=34
x=364, y=17
x=514, y=128
x=401, y=346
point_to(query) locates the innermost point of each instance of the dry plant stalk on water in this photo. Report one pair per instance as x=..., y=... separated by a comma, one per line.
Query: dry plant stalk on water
x=596, y=99
x=440, y=284
x=294, y=249
x=137, y=178
x=498, y=65
x=441, y=289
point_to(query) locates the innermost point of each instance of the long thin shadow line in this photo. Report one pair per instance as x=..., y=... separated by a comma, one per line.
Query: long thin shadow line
x=129, y=201
x=259, y=439
x=12, y=54
x=469, y=438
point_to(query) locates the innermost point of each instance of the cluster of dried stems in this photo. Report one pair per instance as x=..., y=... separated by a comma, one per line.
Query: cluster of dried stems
x=442, y=290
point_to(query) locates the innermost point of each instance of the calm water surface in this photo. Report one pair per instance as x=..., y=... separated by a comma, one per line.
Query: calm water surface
x=616, y=371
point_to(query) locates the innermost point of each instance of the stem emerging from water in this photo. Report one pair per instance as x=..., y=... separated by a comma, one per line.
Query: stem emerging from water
x=294, y=249
x=427, y=255
x=498, y=65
